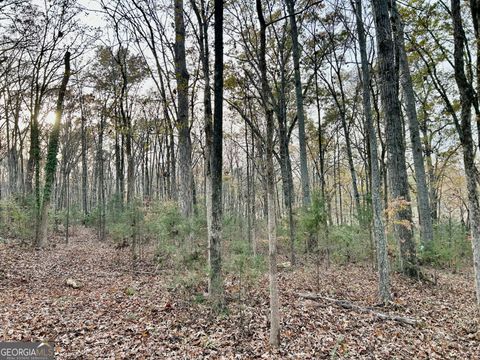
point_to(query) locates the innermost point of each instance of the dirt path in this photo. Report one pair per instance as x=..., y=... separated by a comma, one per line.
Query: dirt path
x=118, y=316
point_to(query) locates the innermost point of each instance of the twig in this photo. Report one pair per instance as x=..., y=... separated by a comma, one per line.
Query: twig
x=348, y=305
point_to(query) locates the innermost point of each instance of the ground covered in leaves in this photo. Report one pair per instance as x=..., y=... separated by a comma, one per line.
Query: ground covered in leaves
x=110, y=313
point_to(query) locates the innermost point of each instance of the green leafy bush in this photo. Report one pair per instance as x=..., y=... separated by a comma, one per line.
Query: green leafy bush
x=313, y=225
x=17, y=218
x=451, y=247
x=350, y=243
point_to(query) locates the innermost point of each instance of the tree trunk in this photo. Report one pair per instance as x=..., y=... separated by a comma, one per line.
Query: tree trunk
x=51, y=164
x=184, y=142
x=272, y=227
x=285, y=163
x=464, y=129
x=101, y=179
x=424, y=211
x=216, y=162
x=296, y=54
x=397, y=170
x=84, y=159
x=377, y=206
x=351, y=165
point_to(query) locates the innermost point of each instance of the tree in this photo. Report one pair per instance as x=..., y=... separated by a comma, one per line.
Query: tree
x=51, y=164
x=215, y=233
x=270, y=179
x=464, y=129
x=400, y=195
x=377, y=206
x=296, y=54
x=183, y=126
x=424, y=210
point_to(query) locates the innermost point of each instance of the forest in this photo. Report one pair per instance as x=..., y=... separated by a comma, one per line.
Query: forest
x=240, y=179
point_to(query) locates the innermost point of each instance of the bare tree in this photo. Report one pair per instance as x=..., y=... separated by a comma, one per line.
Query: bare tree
x=464, y=129
x=424, y=211
x=296, y=54
x=183, y=126
x=216, y=163
x=51, y=164
x=272, y=227
x=378, y=226
x=400, y=195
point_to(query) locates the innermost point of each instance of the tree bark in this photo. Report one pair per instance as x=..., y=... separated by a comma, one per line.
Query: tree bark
x=84, y=159
x=467, y=95
x=424, y=210
x=270, y=180
x=377, y=206
x=216, y=162
x=397, y=170
x=296, y=54
x=184, y=141
x=51, y=164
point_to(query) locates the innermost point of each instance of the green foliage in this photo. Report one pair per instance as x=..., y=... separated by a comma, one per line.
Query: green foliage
x=350, y=243
x=365, y=215
x=344, y=243
x=164, y=222
x=199, y=298
x=240, y=261
x=315, y=217
x=92, y=217
x=75, y=216
x=120, y=226
x=17, y=216
x=451, y=247
x=313, y=225
x=130, y=291
x=179, y=243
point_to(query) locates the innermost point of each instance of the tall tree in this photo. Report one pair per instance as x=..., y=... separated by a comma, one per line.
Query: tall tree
x=216, y=162
x=424, y=210
x=377, y=206
x=183, y=126
x=475, y=11
x=84, y=157
x=51, y=164
x=204, y=52
x=296, y=55
x=270, y=179
x=464, y=129
x=397, y=170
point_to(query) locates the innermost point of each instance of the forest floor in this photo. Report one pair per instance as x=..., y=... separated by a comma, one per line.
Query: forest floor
x=117, y=315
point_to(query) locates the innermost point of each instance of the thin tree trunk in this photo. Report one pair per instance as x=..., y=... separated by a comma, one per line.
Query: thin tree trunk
x=377, y=206
x=464, y=129
x=270, y=179
x=84, y=159
x=296, y=54
x=216, y=162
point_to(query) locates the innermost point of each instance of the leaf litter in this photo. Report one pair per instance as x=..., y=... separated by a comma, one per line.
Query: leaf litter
x=85, y=297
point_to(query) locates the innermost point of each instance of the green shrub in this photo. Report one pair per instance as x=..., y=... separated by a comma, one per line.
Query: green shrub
x=75, y=216
x=450, y=248
x=163, y=222
x=17, y=218
x=241, y=259
x=312, y=231
x=350, y=243
x=176, y=238
x=122, y=224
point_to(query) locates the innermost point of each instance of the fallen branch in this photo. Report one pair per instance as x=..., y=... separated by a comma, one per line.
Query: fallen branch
x=348, y=305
